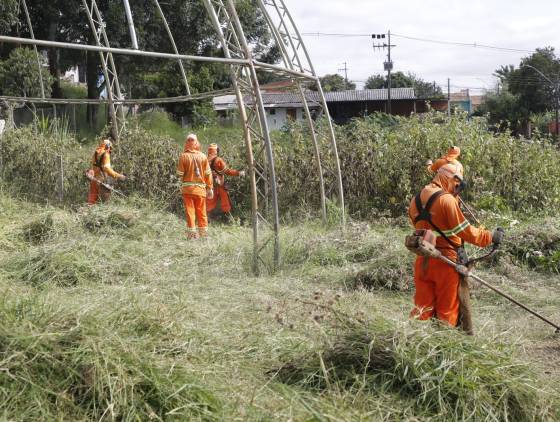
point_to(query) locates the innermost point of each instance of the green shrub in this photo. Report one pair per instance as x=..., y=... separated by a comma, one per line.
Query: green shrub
x=382, y=162
x=383, y=166
x=31, y=163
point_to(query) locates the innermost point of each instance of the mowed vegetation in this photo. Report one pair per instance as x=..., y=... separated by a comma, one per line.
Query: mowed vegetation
x=109, y=313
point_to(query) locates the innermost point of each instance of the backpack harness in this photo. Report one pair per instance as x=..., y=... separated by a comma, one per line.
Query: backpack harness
x=425, y=215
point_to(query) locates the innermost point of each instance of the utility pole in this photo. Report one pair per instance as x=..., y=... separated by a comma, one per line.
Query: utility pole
x=345, y=69
x=449, y=96
x=388, y=65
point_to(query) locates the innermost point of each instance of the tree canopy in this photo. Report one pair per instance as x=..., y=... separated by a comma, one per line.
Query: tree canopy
x=525, y=90
x=334, y=82
x=422, y=88
x=140, y=77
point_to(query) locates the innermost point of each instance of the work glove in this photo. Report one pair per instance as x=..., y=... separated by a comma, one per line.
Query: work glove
x=498, y=236
x=210, y=193
x=242, y=173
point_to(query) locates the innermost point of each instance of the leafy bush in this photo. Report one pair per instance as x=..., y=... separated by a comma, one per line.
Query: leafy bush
x=31, y=161
x=383, y=166
x=382, y=161
x=537, y=245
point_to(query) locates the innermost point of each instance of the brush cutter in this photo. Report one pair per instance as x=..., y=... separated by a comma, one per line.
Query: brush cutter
x=421, y=244
x=105, y=185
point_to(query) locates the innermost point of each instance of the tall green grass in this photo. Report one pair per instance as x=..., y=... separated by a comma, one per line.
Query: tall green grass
x=110, y=313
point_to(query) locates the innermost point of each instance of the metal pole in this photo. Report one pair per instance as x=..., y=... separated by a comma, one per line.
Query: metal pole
x=247, y=135
x=505, y=295
x=448, y=96
x=28, y=18
x=155, y=54
x=130, y=21
x=389, y=65
x=170, y=34
x=323, y=103
x=288, y=62
x=266, y=132
x=61, y=178
x=557, y=104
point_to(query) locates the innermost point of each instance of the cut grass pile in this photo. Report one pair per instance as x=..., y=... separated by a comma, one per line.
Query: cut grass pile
x=435, y=370
x=58, y=365
x=109, y=313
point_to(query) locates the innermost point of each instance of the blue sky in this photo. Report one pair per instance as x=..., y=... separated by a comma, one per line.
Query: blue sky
x=516, y=24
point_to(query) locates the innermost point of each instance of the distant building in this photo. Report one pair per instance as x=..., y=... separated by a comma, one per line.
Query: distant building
x=282, y=104
x=76, y=75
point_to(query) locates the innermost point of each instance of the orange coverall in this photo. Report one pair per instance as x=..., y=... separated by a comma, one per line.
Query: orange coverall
x=437, y=283
x=101, y=167
x=219, y=170
x=196, y=177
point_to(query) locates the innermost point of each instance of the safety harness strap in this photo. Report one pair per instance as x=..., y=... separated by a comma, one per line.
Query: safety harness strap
x=424, y=213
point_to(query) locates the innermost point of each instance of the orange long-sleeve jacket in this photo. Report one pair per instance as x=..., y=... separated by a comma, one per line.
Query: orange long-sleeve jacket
x=101, y=164
x=220, y=169
x=449, y=218
x=194, y=171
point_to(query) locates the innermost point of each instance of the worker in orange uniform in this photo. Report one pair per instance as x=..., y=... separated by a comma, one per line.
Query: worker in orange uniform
x=451, y=157
x=436, y=208
x=219, y=170
x=195, y=175
x=101, y=172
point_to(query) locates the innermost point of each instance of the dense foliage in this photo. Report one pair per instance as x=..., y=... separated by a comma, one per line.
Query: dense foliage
x=422, y=88
x=383, y=164
x=20, y=75
x=382, y=160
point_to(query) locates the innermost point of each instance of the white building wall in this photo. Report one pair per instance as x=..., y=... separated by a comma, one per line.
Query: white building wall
x=277, y=120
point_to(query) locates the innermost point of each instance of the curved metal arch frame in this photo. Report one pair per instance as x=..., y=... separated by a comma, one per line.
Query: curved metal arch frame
x=261, y=164
x=296, y=57
x=173, y=45
x=238, y=56
x=112, y=86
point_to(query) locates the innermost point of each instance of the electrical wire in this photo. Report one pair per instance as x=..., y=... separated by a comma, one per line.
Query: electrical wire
x=420, y=39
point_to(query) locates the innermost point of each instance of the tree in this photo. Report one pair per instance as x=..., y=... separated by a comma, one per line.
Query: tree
x=333, y=82
x=8, y=14
x=19, y=74
x=536, y=93
x=422, y=88
x=503, y=111
x=140, y=77
x=525, y=91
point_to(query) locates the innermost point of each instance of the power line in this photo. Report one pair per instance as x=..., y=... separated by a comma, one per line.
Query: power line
x=325, y=34
x=465, y=44
x=420, y=39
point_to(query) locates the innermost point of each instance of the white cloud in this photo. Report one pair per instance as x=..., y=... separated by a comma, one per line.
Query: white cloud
x=513, y=24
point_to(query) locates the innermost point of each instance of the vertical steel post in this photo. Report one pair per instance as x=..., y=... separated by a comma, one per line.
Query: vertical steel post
x=285, y=14
x=32, y=34
x=174, y=45
x=288, y=62
x=247, y=135
x=131, y=27
x=265, y=131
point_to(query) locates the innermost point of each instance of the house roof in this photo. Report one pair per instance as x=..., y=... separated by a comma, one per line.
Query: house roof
x=290, y=99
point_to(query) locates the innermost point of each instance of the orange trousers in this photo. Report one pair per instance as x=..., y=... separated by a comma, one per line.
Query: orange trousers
x=437, y=290
x=97, y=192
x=222, y=195
x=195, y=210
